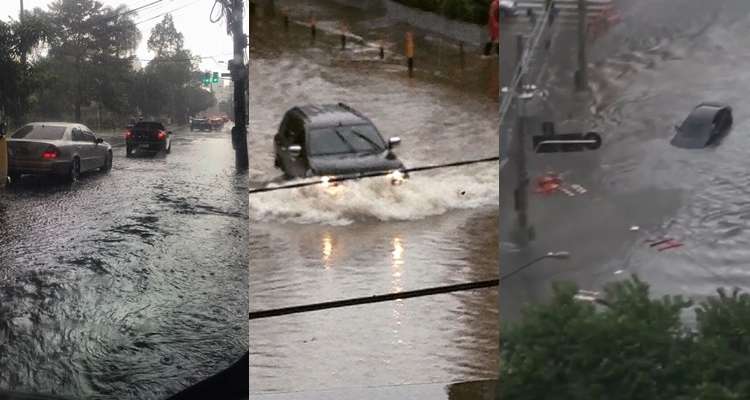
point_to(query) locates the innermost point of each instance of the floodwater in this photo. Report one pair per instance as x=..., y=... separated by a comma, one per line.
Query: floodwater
x=648, y=74
x=368, y=237
x=127, y=285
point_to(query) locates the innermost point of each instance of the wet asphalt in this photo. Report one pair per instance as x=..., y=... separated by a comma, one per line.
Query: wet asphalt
x=130, y=284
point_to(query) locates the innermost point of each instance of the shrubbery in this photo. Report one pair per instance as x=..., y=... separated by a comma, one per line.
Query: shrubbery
x=473, y=11
x=636, y=348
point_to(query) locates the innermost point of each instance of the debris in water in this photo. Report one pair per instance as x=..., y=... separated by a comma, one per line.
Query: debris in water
x=634, y=228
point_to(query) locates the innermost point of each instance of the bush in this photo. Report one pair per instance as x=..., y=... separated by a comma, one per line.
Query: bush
x=637, y=348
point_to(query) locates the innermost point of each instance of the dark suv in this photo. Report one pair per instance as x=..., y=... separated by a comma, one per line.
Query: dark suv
x=147, y=136
x=201, y=124
x=326, y=140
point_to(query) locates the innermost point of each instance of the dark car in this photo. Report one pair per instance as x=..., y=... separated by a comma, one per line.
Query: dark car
x=704, y=126
x=201, y=124
x=147, y=136
x=56, y=148
x=333, y=140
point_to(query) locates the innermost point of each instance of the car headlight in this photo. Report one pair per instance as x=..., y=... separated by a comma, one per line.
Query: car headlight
x=397, y=177
x=327, y=182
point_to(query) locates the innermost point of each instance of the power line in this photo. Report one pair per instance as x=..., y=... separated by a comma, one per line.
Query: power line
x=167, y=12
x=374, y=299
x=373, y=175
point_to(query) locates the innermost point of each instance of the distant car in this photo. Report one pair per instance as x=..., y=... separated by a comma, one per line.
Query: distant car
x=333, y=140
x=56, y=148
x=704, y=126
x=217, y=124
x=200, y=124
x=508, y=8
x=147, y=136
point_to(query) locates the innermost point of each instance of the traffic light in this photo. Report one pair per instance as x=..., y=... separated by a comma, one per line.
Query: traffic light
x=215, y=78
x=206, y=78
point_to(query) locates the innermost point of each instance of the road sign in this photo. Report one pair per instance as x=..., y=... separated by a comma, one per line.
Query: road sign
x=566, y=142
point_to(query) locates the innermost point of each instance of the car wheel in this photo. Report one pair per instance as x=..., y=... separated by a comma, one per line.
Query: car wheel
x=107, y=162
x=277, y=161
x=75, y=170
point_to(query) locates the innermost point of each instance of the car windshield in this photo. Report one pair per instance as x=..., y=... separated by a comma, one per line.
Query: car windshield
x=40, y=132
x=345, y=140
x=698, y=122
x=149, y=125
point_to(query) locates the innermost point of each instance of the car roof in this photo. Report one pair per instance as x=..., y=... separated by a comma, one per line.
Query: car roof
x=711, y=104
x=326, y=115
x=65, y=124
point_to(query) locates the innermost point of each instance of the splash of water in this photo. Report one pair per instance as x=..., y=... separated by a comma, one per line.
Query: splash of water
x=419, y=197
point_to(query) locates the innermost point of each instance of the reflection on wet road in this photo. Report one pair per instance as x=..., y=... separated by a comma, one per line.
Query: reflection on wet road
x=369, y=237
x=654, y=70
x=127, y=285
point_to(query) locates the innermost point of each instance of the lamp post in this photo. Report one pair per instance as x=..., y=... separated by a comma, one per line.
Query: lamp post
x=556, y=255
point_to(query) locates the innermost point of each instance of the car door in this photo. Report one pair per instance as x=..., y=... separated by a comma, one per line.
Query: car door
x=89, y=159
x=99, y=151
x=295, y=136
x=78, y=145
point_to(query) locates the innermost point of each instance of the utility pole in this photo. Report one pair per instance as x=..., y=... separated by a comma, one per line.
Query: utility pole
x=521, y=194
x=239, y=73
x=581, y=75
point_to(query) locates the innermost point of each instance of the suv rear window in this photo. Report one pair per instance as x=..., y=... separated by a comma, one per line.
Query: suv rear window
x=40, y=132
x=150, y=125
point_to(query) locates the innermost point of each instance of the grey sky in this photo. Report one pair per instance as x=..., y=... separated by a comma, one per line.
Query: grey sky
x=191, y=17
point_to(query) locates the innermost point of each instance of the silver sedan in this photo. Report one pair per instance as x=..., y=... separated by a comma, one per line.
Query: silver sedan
x=56, y=148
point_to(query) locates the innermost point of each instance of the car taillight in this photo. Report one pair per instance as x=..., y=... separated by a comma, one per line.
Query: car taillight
x=162, y=135
x=128, y=134
x=50, y=154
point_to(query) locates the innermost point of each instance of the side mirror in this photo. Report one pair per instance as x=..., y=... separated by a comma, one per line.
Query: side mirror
x=294, y=150
x=393, y=142
x=99, y=140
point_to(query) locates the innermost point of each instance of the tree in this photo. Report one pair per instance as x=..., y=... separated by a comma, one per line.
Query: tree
x=165, y=40
x=91, y=49
x=17, y=80
x=636, y=348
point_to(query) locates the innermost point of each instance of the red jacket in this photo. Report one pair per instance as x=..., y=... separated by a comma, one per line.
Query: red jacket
x=494, y=20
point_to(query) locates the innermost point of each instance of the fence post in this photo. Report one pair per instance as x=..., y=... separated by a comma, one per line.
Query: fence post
x=410, y=53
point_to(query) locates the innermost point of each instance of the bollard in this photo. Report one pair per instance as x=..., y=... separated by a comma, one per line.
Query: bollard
x=410, y=53
x=286, y=22
x=312, y=27
x=343, y=36
x=462, y=59
x=382, y=53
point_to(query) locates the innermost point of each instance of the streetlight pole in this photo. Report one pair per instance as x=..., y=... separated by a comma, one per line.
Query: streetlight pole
x=556, y=255
x=240, y=77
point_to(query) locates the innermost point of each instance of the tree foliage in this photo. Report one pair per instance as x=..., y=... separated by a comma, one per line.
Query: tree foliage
x=636, y=348
x=87, y=59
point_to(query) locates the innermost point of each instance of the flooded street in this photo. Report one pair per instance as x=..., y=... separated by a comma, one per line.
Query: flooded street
x=649, y=74
x=368, y=237
x=130, y=284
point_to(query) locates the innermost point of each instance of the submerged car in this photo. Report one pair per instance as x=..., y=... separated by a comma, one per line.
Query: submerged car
x=333, y=140
x=147, y=136
x=704, y=126
x=56, y=148
x=200, y=124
